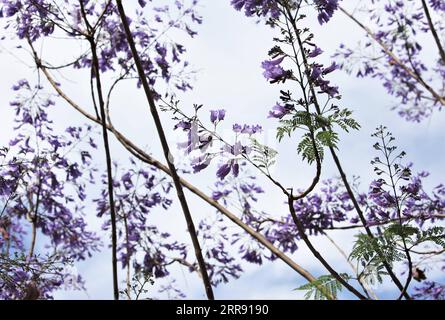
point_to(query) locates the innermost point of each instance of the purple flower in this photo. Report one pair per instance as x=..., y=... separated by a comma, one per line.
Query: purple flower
x=252, y=256
x=21, y=84
x=216, y=195
x=330, y=69
x=316, y=72
x=217, y=115
x=223, y=170
x=315, y=52
x=430, y=290
x=279, y=111
x=185, y=125
x=438, y=4
x=326, y=9
x=200, y=163
x=260, y=7
x=247, y=129
x=235, y=169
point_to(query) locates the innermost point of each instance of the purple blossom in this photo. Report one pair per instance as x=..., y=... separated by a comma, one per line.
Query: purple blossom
x=315, y=52
x=279, y=111
x=326, y=9
x=217, y=115
x=247, y=129
x=224, y=170
x=32, y=179
x=261, y=7
x=183, y=125
x=22, y=83
x=400, y=26
x=273, y=70
x=430, y=290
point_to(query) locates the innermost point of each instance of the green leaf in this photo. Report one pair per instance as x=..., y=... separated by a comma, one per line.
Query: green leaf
x=263, y=156
x=403, y=231
x=306, y=149
x=434, y=234
x=344, y=120
x=327, y=138
x=364, y=251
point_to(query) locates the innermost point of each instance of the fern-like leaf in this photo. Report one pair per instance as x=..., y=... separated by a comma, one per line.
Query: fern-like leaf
x=325, y=285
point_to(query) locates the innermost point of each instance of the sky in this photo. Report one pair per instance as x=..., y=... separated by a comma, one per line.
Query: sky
x=227, y=54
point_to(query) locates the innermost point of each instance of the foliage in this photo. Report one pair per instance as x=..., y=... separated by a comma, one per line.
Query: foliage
x=324, y=285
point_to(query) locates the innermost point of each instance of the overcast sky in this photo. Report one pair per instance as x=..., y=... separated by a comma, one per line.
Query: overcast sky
x=228, y=52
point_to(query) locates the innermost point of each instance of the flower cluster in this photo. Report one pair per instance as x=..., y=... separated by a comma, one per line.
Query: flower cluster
x=141, y=245
x=43, y=182
x=326, y=9
x=221, y=265
x=317, y=74
x=430, y=290
x=161, y=57
x=266, y=8
x=309, y=74
x=438, y=5
x=200, y=142
x=245, y=191
x=22, y=16
x=394, y=55
x=146, y=249
x=273, y=8
x=419, y=205
x=273, y=71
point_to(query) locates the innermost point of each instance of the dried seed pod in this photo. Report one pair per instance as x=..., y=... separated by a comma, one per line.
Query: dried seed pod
x=418, y=274
x=32, y=292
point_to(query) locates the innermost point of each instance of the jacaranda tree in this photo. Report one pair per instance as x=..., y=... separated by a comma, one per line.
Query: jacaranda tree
x=51, y=179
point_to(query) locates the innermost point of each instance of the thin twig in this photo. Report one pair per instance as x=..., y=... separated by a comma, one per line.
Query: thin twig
x=394, y=58
x=95, y=64
x=434, y=31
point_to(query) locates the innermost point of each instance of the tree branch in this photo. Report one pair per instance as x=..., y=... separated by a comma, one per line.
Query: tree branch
x=394, y=58
x=317, y=254
x=434, y=31
x=167, y=154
